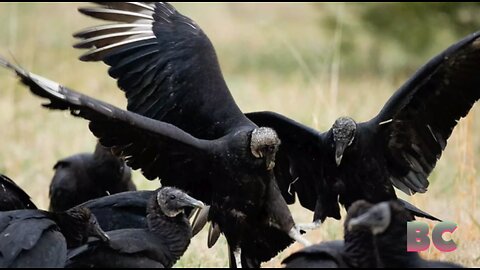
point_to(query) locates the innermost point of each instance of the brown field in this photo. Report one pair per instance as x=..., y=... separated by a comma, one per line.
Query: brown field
x=274, y=57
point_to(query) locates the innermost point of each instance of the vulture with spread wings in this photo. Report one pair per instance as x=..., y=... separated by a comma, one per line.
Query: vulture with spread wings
x=398, y=147
x=183, y=125
x=168, y=70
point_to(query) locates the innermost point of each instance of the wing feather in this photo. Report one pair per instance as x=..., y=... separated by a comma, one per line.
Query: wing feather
x=159, y=149
x=168, y=71
x=299, y=169
x=424, y=112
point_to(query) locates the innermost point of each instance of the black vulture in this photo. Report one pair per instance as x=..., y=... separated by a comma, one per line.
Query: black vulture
x=36, y=238
x=241, y=189
x=13, y=197
x=398, y=147
x=122, y=210
x=354, y=251
x=158, y=246
x=386, y=222
x=169, y=71
x=183, y=126
x=375, y=237
x=87, y=176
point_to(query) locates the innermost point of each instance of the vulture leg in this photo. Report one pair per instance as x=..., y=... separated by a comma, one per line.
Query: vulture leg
x=200, y=219
x=309, y=226
x=238, y=258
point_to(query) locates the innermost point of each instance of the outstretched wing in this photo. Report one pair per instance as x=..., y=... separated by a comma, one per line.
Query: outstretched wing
x=165, y=64
x=419, y=118
x=159, y=149
x=298, y=163
x=417, y=212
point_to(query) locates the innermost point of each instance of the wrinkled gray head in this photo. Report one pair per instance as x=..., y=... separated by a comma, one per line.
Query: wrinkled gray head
x=376, y=219
x=173, y=201
x=264, y=144
x=343, y=135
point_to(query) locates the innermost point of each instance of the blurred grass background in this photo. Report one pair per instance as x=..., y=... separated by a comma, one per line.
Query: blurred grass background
x=311, y=62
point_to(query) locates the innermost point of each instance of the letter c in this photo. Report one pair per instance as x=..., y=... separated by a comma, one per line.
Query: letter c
x=437, y=239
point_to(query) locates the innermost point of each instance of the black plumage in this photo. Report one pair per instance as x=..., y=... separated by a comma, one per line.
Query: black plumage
x=169, y=71
x=398, y=147
x=160, y=245
x=324, y=255
x=375, y=237
x=203, y=144
x=386, y=222
x=354, y=251
x=122, y=210
x=13, y=197
x=36, y=238
x=86, y=176
x=243, y=195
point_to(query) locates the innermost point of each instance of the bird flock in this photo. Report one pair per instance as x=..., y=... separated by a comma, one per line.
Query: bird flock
x=232, y=171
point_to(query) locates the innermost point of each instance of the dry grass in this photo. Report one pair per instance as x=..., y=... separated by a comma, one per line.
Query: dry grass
x=274, y=57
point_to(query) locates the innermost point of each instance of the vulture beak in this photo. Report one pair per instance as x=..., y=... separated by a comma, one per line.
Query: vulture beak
x=376, y=219
x=361, y=221
x=96, y=231
x=339, y=149
x=270, y=162
x=191, y=202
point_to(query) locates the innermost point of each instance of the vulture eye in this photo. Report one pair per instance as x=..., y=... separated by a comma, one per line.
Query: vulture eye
x=268, y=148
x=172, y=197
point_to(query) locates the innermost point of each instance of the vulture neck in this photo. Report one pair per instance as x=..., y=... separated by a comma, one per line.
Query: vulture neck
x=359, y=249
x=174, y=231
x=391, y=248
x=72, y=229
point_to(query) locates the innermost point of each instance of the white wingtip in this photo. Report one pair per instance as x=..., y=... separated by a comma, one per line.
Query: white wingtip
x=48, y=85
x=385, y=122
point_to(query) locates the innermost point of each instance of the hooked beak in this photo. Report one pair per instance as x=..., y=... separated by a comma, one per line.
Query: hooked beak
x=269, y=159
x=371, y=220
x=339, y=149
x=99, y=233
x=270, y=162
x=191, y=202
x=360, y=221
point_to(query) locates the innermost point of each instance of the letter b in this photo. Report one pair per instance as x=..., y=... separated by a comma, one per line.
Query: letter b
x=417, y=236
